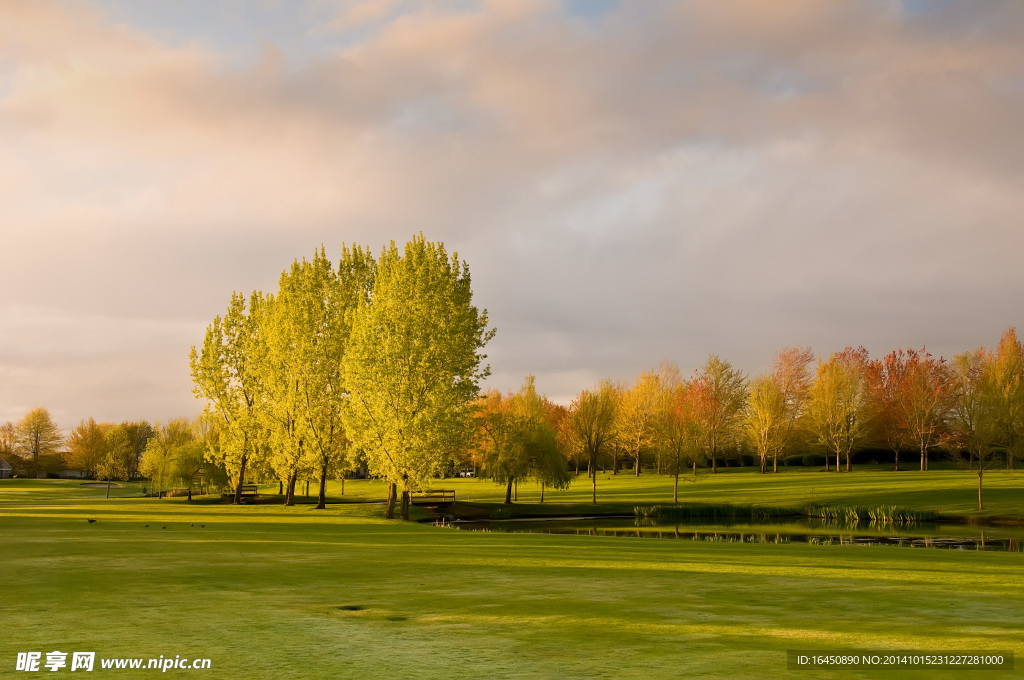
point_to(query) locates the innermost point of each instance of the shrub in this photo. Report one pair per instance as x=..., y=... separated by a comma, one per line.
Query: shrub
x=746, y=460
x=792, y=461
x=813, y=459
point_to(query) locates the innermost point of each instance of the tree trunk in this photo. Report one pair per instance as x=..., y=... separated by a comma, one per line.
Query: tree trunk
x=405, y=505
x=189, y=493
x=847, y=460
x=307, y=487
x=108, y=487
x=515, y=491
x=542, y=492
x=241, y=480
x=695, y=469
x=764, y=465
x=289, y=499
x=508, y=491
x=637, y=463
x=897, y=468
x=675, y=487
x=390, y=512
x=280, y=488
x=321, y=503
x=826, y=460
x=342, y=484
x=775, y=462
x=980, y=505
x=593, y=486
x=714, y=462
x=924, y=459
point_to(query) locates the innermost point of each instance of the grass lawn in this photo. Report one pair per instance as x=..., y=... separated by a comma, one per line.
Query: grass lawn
x=271, y=592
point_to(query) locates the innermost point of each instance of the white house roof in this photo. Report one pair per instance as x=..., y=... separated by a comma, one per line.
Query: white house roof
x=4, y=465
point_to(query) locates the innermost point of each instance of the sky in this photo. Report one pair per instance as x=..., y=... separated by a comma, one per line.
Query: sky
x=629, y=181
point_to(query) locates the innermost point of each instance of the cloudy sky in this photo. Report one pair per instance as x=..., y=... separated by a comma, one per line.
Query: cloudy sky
x=629, y=181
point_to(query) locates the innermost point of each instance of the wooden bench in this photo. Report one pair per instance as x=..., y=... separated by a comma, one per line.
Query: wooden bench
x=250, y=490
x=433, y=497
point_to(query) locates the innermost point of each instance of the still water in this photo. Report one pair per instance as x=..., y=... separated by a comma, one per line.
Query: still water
x=918, y=535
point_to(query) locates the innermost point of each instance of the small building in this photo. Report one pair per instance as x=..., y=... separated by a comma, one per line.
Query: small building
x=5, y=469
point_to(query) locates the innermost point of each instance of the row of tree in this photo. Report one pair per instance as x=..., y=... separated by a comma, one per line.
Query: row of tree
x=35, y=446
x=906, y=400
x=372, y=359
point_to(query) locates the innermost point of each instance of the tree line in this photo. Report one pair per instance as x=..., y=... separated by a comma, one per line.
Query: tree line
x=971, y=406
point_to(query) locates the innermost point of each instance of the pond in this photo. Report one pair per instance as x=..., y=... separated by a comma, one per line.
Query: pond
x=916, y=535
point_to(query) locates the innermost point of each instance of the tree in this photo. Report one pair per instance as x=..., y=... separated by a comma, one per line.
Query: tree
x=838, y=406
x=720, y=393
x=924, y=400
x=307, y=326
x=765, y=418
x=139, y=434
x=8, y=441
x=908, y=393
x=86, y=446
x=413, y=365
x=175, y=455
x=225, y=374
x=591, y=421
x=38, y=437
x=970, y=421
x=1008, y=394
x=679, y=429
x=519, y=441
x=117, y=459
x=886, y=380
x=635, y=415
x=791, y=372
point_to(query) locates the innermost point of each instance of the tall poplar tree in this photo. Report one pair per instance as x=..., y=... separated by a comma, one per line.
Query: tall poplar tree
x=307, y=327
x=413, y=365
x=225, y=373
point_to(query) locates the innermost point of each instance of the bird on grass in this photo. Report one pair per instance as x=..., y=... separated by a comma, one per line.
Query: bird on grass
x=163, y=527
x=90, y=521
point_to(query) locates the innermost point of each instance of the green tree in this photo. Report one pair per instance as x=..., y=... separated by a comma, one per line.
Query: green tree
x=175, y=456
x=38, y=439
x=225, y=373
x=413, y=365
x=591, y=422
x=307, y=327
x=86, y=446
x=116, y=462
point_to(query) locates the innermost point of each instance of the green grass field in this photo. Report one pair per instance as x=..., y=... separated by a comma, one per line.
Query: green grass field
x=266, y=591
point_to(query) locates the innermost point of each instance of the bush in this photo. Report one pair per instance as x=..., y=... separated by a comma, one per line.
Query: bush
x=746, y=460
x=813, y=460
x=793, y=461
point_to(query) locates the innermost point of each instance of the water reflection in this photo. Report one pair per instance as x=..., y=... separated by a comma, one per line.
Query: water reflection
x=811, y=532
